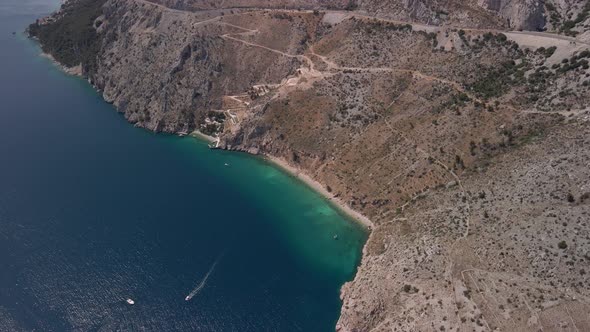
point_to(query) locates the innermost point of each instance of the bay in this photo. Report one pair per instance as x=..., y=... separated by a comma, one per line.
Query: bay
x=94, y=211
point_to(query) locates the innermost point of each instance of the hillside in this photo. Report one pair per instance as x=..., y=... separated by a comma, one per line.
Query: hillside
x=463, y=141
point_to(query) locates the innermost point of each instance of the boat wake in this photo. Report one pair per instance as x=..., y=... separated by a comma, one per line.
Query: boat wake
x=203, y=282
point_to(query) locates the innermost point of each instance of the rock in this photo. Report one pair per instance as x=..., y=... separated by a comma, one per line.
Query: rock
x=451, y=184
x=520, y=14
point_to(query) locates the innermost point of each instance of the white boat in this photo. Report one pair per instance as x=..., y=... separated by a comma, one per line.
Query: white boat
x=130, y=301
x=226, y=164
x=187, y=298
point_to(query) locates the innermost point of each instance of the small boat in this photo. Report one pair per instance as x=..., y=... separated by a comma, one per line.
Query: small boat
x=130, y=301
x=335, y=236
x=187, y=298
x=226, y=164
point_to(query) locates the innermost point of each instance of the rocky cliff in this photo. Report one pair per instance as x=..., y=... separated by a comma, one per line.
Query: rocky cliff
x=467, y=146
x=523, y=15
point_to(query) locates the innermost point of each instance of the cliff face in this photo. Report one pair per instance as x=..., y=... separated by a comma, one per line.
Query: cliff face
x=467, y=148
x=521, y=15
x=165, y=70
x=189, y=66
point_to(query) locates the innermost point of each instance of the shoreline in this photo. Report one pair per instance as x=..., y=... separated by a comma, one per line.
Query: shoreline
x=199, y=135
x=356, y=218
x=320, y=189
x=74, y=71
x=276, y=161
x=300, y=175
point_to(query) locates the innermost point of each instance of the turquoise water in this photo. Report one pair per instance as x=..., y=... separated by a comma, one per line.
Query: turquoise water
x=94, y=211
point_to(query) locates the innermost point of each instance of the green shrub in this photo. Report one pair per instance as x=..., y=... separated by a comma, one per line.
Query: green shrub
x=549, y=51
x=72, y=39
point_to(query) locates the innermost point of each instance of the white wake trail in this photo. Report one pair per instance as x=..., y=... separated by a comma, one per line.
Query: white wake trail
x=201, y=285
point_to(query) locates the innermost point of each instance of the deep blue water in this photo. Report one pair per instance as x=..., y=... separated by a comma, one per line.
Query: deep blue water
x=94, y=211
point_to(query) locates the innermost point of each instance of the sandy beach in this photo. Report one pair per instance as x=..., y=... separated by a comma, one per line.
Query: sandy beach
x=318, y=187
x=202, y=136
x=299, y=174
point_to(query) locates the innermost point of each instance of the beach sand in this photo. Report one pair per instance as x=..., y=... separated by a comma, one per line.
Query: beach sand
x=299, y=174
x=318, y=187
x=202, y=136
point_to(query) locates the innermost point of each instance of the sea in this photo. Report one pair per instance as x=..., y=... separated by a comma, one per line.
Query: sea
x=95, y=213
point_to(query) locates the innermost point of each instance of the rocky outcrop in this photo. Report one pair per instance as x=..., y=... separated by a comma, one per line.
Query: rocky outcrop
x=521, y=14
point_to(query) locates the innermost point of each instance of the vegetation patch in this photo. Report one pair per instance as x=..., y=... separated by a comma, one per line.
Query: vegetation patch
x=70, y=35
x=575, y=62
x=497, y=81
x=547, y=52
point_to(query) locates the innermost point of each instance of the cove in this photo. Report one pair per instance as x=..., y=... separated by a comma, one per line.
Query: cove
x=94, y=211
